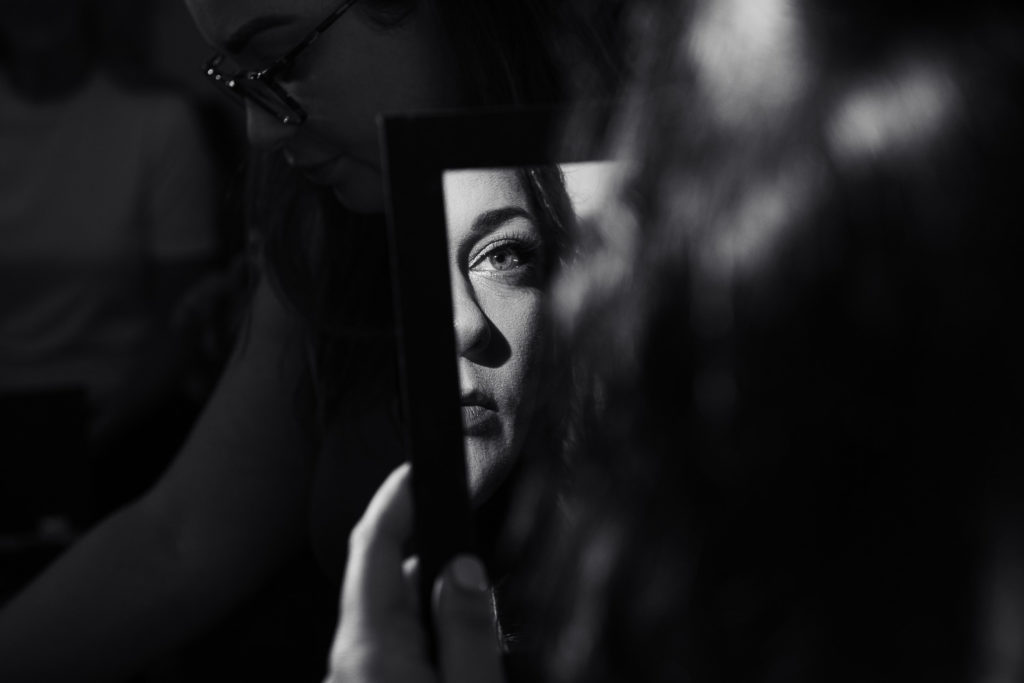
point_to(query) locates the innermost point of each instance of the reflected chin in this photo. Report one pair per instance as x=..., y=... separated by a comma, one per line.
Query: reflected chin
x=488, y=463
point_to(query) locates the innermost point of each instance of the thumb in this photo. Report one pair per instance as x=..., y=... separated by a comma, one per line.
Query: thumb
x=467, y=631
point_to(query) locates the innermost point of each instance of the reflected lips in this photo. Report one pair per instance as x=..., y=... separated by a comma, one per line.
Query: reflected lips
x=479, y=415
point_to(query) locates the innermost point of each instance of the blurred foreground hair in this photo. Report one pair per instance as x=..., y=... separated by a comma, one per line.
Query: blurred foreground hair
x=798, y=323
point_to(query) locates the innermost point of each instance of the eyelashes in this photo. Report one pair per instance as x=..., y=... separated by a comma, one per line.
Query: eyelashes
x=513, y=259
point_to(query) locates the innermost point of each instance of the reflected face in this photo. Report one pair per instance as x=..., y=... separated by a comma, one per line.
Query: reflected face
x=356, y=70
x=497, y=258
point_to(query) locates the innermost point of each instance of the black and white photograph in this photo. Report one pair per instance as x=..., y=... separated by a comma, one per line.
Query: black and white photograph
x=480, y=341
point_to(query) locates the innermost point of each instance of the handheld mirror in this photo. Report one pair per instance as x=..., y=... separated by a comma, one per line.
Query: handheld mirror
x=481, y=216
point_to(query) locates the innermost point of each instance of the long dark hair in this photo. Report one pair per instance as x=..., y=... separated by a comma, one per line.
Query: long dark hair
x=811, y=305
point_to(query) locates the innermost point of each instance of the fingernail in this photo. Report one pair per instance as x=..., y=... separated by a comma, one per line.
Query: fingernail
x=468, y=574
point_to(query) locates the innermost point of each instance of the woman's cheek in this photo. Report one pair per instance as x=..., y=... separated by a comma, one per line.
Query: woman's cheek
x=518, y=319
x=526, y=338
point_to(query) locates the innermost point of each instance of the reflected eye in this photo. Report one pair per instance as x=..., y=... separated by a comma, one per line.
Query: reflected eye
x=514, y=260
x=503, y=258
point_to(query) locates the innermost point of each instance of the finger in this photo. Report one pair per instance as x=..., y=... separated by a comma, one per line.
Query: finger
x=467, y=632
x=374, y=585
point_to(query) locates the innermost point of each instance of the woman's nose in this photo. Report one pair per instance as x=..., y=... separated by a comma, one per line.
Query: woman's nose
x=263, y=129
x=472, y=328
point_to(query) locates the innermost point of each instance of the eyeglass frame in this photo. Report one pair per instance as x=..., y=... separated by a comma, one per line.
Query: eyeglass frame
x=265, y=77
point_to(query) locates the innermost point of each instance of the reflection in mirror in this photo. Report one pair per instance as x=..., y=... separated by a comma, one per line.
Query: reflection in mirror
x=509, y=229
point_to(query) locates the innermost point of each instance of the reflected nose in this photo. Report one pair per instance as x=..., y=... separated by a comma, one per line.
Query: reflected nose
x=472, y=328
x=264, y=130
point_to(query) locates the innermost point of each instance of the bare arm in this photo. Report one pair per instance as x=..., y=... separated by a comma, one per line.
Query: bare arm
x=227, y=514
x=166, y=354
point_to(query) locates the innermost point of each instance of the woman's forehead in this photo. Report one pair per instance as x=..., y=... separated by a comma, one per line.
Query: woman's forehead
x=484, y=186
x=472, y=192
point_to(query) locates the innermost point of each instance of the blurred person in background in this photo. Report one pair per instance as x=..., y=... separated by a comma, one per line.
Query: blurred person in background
x=107, y=216
x=797, y=331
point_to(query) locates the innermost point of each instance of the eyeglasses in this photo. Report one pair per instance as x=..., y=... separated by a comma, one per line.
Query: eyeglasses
x=261, y=87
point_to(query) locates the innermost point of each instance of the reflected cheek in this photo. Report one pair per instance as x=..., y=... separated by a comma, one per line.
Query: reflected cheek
x=518, y=321
x=514, y=311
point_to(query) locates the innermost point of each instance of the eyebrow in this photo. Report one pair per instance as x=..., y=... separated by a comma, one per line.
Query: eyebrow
x=241, y=37
x=490, y=220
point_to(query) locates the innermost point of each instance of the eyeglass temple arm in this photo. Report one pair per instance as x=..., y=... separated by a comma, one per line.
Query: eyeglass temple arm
x=310, y=39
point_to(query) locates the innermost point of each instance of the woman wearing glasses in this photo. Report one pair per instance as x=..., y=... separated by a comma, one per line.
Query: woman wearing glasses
x=313, y=84
x=313, y=373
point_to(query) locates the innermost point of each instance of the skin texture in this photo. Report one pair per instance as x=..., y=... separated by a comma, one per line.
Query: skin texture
x=356, y=70
x=496, y=256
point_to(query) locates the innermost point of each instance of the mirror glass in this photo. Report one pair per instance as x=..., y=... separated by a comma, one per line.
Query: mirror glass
x=509, y=230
